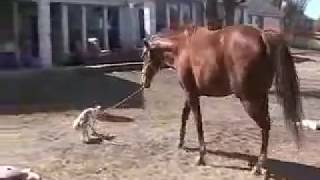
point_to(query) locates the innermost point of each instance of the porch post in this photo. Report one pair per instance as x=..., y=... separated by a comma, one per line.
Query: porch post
x=237, y=15
x=84, y=27
x=153, y=16
x=194, y=13
x=134, y=23
x=105, y=28
x=16, y=31
x=65, y=28
x=123, y=25
x=245, y=16
x=204, y=14
x=168, y=15
x=44, y=30
x=181, y=9
x=150, y=18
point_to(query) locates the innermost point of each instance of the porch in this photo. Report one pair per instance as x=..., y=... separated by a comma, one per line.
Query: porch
x=42, y=33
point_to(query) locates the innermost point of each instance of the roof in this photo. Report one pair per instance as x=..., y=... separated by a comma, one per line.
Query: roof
x=263, y=8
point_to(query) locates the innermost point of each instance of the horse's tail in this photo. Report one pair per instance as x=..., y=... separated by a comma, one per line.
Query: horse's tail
x=286, y=82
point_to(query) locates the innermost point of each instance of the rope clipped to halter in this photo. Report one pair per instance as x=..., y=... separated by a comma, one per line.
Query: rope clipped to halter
x=127, y=98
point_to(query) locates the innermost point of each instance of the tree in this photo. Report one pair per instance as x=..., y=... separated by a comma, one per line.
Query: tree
x=291, y=10
x=229, y=8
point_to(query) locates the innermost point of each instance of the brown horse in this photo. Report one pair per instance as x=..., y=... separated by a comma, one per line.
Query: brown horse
x=239, y=60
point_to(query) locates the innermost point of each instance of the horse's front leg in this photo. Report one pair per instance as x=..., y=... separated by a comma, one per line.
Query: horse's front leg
x=184, y=118
x=194, y=103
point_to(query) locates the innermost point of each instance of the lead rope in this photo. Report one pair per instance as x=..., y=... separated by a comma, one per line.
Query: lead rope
x=95, y=133
x=127, y=98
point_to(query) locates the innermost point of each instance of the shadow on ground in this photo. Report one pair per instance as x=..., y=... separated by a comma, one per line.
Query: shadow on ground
x=107, y=117
x=301, y=59
x=61, y=90
x=277, y=169
x=307, y=93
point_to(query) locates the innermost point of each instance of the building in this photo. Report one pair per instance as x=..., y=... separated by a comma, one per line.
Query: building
x=262, y=14
x=258, y=13
x=40, y=32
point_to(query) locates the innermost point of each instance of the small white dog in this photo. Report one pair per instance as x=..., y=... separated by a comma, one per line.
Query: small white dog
x=86, y=121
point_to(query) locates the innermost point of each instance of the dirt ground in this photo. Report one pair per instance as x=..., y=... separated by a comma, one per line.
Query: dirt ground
x=145, y=147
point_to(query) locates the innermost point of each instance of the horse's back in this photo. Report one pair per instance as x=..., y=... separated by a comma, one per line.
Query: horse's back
x=205, y=60
x=250, y=69
x=231, y=60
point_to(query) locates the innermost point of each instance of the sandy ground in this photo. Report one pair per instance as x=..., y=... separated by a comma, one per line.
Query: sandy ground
x=145, y=146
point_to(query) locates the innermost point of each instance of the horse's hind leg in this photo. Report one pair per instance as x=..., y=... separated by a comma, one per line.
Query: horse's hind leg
x=184, y=118
x=194, y=103
x=257, y=108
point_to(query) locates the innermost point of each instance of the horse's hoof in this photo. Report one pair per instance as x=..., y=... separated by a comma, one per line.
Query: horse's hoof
x=94, y=141
x=94, y=134
x=201, y=162
x=251, y=164
x=258, y=171
x=84, y=140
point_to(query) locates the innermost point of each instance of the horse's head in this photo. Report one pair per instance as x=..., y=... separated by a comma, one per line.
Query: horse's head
x=154, y=55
